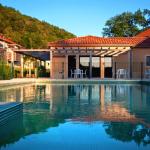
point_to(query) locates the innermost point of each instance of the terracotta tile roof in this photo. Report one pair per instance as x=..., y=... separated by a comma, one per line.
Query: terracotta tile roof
x=93, y=41
x=145, y=33
x=144, y=44
x=3, y=38
x=9, y=41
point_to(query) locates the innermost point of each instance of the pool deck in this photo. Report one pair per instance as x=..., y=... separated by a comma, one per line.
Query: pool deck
x=16, y=81
x=69, y=81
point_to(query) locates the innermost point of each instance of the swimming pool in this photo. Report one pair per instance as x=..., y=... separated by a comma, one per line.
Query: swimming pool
x=77, y=116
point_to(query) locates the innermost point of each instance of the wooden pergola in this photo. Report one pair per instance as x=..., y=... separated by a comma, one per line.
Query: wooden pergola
x=102, y=52
x=95, y=51
x=48, y=54
x=91, y=46
x=39, y=54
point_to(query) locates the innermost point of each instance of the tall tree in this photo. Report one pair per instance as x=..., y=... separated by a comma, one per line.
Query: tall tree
x=127, y=24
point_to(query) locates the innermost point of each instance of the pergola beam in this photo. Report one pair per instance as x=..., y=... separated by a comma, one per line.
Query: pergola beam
x=113, y=53
x=31, y=50
x=100, y=53
x=121, y=52
x=95, y=51
x=106, y=53
x=29, y=55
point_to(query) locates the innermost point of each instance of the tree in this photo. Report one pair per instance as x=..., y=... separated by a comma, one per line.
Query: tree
x=127, y=24
x=27, y=31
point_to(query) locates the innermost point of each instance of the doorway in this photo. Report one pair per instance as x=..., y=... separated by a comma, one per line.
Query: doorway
x=108, y=67
x=95, y=67
x=85, y=66
x=71, y=64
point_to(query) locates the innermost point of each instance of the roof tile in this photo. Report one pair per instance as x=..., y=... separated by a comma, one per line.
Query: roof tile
x=94, y=41
x=145, y=33
x=3, y=38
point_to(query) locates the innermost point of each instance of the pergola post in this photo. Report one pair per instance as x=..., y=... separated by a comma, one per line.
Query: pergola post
x=102, y=67
x=29, y=68
x=90, y=64
x=65, y=69
x=51, y=64
x=35, y=71
x=45, y=64
x=130, y=63
x=77, y=61
x=40, y=63
x=12, y=64
x=22, y=66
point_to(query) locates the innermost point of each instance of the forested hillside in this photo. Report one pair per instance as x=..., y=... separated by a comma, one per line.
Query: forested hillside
x=28, y=31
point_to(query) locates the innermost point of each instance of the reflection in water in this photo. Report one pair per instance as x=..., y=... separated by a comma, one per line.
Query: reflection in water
x=127, y=132
x=122, y=110
x=11, y=131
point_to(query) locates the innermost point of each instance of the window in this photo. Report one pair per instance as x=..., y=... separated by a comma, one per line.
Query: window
x=147, y=60
x=84, y=61
x=108, y=62
x=96, y=62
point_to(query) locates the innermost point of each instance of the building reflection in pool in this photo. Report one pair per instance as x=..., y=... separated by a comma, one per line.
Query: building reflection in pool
x=123, y=109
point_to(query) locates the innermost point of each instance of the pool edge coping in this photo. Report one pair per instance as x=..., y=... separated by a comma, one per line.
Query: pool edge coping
x=68, y=81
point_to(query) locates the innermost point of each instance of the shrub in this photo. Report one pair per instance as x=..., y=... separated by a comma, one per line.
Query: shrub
x=6, y=72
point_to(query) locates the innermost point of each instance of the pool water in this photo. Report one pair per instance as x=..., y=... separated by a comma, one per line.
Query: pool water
x=78, y=117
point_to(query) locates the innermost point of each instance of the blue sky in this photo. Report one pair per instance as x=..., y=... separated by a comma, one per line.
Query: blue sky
x=81, y=17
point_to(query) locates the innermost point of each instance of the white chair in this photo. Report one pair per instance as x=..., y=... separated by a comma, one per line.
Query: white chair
x=83, y=73
x=147, y=73
x=122, y=73
x=72, y=73
x=77, y=73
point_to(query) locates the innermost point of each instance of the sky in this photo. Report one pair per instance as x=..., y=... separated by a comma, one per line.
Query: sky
x=80, y=17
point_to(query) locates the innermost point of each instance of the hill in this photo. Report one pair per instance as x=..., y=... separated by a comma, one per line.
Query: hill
x=27, y=31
